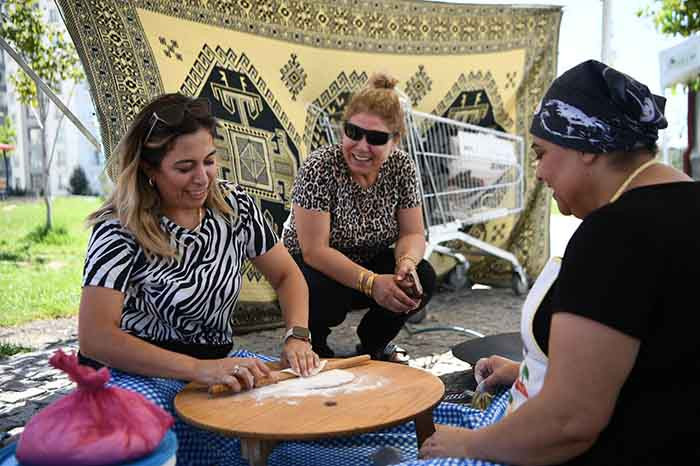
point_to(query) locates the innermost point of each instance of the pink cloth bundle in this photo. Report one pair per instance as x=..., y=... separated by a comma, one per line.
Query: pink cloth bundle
x=92, y=425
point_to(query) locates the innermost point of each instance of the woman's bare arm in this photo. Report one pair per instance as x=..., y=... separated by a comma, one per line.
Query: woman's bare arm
x=589, y=363
x=102, y=339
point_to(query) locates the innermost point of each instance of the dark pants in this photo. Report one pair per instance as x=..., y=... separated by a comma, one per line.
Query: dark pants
x=330, y=301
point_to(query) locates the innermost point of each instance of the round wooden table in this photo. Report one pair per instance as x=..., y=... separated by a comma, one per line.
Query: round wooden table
x=402, y=394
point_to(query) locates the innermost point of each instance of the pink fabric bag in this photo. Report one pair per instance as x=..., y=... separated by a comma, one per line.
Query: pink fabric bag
x=92, y=425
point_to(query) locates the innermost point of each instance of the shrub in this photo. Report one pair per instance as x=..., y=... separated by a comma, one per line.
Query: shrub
x=79, y=182
x=57, y=236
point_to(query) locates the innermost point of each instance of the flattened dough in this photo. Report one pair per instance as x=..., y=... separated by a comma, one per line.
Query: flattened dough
x=328, y=379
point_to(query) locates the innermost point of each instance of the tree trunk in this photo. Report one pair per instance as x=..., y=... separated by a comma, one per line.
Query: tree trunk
x=45, y=162
x=7, y=171
x=47, y=185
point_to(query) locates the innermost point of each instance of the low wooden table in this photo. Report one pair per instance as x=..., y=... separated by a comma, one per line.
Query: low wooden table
x=408, y=394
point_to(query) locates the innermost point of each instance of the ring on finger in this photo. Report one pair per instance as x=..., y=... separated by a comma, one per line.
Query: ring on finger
x=236, y=370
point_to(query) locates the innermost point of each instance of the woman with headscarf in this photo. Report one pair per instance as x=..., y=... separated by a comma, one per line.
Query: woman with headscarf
x=607, y=338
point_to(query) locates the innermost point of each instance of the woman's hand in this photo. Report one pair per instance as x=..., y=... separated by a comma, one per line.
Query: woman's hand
x=404, y=266
x=298, y=355
x=495, y=371
x=406, y=278
x=238, y=373
x=389, y=295
x=446, y=442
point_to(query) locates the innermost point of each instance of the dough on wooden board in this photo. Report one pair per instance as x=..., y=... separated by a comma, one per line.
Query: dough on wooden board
x=322, y=384
x=328, y=379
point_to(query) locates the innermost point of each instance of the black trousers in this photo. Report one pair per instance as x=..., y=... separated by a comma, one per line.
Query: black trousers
x=330, y=301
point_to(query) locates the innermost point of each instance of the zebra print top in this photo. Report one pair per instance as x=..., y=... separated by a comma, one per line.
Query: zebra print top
x=189, y=299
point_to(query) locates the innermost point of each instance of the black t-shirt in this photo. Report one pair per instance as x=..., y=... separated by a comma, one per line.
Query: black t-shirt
x=632, y=265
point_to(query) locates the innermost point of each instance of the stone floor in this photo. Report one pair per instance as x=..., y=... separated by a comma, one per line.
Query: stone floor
x=28, y=383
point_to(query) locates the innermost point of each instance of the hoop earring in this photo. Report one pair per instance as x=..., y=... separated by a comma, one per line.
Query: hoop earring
x=150, y=182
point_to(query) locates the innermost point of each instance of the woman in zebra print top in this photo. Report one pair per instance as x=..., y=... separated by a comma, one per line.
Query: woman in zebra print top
x=163, y=267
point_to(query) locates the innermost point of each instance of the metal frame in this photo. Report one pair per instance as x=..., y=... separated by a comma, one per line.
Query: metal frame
x=49, y=93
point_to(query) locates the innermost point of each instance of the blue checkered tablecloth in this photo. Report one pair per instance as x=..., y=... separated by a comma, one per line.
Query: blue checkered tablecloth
x=200, y=447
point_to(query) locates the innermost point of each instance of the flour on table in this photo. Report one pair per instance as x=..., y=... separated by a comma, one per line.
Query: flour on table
x=327, y=384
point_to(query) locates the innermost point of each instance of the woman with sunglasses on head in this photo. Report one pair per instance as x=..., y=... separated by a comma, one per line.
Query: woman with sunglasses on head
x=351, y=203
x=163, y=270
x=608, y=336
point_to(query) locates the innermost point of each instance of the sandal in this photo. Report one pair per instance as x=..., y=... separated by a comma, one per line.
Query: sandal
x=393, y=353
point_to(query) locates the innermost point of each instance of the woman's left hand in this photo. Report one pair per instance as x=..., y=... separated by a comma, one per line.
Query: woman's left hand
x=446, y=442
x=298, y=355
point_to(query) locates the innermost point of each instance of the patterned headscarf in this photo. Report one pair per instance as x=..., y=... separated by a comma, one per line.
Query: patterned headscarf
x=594, y=108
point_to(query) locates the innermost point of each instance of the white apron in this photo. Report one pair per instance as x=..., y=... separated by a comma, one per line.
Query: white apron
x=534, y=365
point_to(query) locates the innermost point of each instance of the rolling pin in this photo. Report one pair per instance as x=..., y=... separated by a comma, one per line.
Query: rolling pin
x=278, y=376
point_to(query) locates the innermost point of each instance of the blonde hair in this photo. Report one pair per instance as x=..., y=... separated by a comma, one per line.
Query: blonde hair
x=134, y=201
x=379, y=98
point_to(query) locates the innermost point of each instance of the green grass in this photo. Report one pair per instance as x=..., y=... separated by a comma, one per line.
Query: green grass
x=40, y=271
x=9, y=349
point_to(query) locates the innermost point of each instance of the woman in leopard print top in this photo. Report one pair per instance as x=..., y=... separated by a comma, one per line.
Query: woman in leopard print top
x=351, y=203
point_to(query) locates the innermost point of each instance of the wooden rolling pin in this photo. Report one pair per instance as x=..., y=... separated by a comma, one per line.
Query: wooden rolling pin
x=278, y=376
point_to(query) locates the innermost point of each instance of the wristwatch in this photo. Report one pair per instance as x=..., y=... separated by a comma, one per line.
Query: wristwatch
x=300, y=333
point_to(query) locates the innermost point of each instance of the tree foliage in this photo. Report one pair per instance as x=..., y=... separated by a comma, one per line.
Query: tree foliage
x=7, y=136
x=676, y=18
x=7, y=130
x=41, y=44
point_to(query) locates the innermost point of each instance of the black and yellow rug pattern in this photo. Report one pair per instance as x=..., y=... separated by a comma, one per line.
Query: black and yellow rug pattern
x=262, y=62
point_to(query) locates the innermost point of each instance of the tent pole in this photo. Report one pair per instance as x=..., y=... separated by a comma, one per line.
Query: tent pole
x=50, y=93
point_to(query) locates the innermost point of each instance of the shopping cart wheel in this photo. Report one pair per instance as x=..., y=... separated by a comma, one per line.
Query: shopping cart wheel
x=518, y=285
x=457, y=277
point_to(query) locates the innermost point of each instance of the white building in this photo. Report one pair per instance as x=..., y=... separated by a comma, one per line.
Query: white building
x=72, y=149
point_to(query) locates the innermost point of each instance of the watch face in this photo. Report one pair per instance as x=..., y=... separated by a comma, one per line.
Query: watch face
x=301, y=332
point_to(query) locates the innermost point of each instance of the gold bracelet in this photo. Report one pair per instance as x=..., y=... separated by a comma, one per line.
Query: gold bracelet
x=407, y=257
x=370, y=284
x=361, y=279
x=363, y=285
x=363, y=288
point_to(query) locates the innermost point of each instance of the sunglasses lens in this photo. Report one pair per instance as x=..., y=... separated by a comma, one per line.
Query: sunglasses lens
x=376, y=138
x=353, y=132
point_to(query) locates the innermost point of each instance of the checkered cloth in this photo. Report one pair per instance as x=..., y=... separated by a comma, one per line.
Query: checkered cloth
x=200, y=447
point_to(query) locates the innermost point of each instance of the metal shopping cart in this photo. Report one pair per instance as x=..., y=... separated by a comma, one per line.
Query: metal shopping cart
x=469, y=175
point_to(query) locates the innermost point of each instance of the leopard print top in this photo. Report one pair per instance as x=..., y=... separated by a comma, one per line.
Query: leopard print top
x=364, y=221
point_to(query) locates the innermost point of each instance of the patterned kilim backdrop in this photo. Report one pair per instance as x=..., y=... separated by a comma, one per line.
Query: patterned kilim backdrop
x=261, y=62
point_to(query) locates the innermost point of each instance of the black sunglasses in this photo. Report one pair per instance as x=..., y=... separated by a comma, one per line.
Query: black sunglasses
x=374, y=138
x=173, y=115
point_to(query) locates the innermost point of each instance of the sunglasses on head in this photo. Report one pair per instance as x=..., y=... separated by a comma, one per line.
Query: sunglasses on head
x=173, y=115
x=374, y=138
